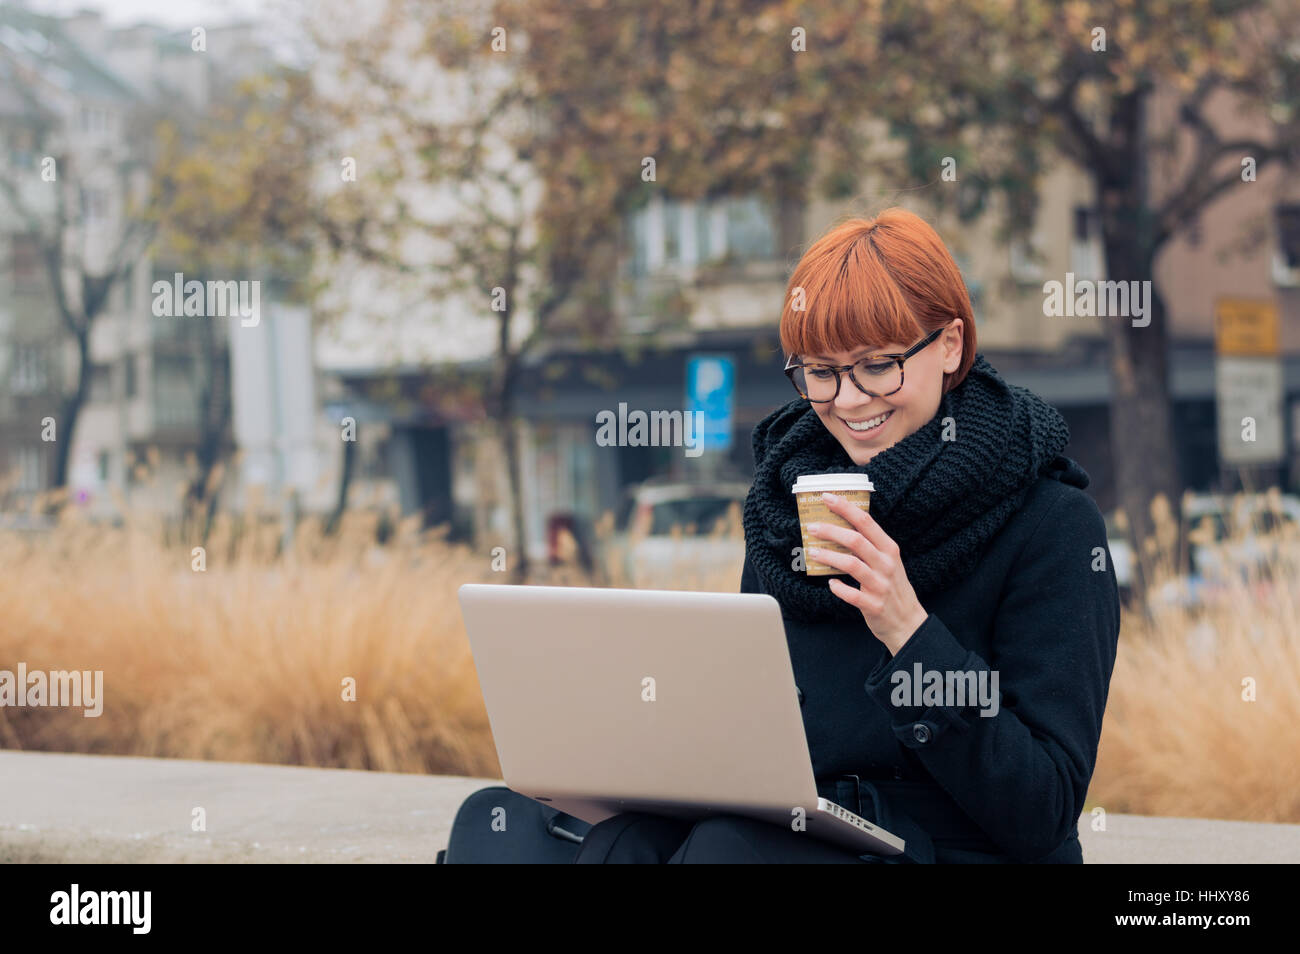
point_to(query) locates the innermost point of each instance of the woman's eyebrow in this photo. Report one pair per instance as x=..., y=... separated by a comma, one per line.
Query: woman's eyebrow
x=861, y=351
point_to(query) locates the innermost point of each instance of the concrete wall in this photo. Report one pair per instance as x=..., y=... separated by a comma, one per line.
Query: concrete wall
x=93, y=808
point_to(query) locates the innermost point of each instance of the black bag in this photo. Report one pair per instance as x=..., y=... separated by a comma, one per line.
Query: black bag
x=881, y=811
x=496, y=825
x=863, y=797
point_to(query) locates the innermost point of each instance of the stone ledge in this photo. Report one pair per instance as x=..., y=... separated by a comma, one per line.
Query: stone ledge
x=97, y=808
x=100, y=808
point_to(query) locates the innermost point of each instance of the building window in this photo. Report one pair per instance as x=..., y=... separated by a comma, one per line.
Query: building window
x=175, y=401
x=95, y=120
x=94, y=205
x=1086, y=253
x=173, y=371
x=131, y=384
x=22, y=147
x=1286, y=257
x=30, y=371
x=671, y=231
x=105, y=459
x=29, y=463
x=751, y=229
x=26, y=256
x=668, y=233
x=101, y=383
x=1026, y=261
x=714, y=243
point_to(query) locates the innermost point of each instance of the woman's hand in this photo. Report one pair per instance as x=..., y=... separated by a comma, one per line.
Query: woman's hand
x=883, y=595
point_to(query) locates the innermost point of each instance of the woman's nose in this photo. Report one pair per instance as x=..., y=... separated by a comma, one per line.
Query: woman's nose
x=850, y=399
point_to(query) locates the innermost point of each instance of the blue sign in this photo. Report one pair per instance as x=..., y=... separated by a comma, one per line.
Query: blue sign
x=711, y=389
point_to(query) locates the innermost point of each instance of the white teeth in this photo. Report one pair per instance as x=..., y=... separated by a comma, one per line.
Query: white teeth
x=868, y=425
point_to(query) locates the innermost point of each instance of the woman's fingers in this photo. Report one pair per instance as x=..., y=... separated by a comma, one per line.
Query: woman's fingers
x=855, y=541
x=868, y=602
x=851, y=565
x=863, y=522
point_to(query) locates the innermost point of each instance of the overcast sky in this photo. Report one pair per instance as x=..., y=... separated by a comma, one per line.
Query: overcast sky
x=281, y=33
x=172, y=13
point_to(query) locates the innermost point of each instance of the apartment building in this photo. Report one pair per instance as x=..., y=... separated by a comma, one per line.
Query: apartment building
x=700, y=280
x=74, y=87
x=693, y=281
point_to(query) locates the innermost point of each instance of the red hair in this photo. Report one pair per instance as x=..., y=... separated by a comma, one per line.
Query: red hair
x=869, y=282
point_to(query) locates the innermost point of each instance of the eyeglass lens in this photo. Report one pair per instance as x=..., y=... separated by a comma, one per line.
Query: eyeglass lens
x=818, y=383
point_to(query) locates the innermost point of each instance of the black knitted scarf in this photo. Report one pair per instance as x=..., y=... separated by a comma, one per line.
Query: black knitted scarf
x=941, y=501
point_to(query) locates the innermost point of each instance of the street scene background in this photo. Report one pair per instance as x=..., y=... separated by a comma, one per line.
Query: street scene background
x=312, y=312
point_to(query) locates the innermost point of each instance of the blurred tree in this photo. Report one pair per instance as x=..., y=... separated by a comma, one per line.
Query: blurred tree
x=435, y=188
x=718, y=95
x=1129, y=91
x=63, y=196
x=535, y=138
x=230, y=196
x=532, y=135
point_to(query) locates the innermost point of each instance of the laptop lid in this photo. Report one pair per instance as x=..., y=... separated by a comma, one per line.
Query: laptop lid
x=608, y=700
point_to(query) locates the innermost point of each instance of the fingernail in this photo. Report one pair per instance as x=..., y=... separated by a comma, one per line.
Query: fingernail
x=830, y=497
x=814, y=527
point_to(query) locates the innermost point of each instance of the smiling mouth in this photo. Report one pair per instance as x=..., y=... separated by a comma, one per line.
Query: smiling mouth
x=869, y=426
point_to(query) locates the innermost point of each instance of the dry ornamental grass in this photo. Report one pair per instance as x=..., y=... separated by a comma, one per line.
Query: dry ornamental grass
x=247, y=660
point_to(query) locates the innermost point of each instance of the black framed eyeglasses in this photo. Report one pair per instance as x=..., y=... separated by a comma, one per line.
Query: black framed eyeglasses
x=820, y=383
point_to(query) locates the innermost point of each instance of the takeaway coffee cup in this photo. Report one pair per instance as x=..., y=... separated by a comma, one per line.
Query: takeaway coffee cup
x=808, y=490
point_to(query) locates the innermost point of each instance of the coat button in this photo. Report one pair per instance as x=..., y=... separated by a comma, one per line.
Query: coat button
x=898, y=773
x=921, y=732
x=799, y=692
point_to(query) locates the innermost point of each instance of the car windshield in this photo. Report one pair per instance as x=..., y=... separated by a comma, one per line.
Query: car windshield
x=698, y=515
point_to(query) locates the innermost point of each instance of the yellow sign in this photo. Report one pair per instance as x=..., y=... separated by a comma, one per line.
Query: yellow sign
x=1245, y=327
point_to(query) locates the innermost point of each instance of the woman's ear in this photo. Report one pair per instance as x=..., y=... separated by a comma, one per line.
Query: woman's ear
x=952, y=338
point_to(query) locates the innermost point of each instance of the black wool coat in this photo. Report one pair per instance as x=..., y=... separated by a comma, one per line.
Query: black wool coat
x=1041, y=609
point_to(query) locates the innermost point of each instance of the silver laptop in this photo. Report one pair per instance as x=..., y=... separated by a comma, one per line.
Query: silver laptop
x=683, y=704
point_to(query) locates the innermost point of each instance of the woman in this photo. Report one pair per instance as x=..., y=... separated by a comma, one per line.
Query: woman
x=979, y=556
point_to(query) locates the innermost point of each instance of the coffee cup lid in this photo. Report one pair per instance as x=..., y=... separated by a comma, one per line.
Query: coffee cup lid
x=820, y=483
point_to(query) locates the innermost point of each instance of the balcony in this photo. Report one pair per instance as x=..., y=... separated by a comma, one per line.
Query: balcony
x=178, y=335
x=686, y=260
x=175, y=411
x=170, y=411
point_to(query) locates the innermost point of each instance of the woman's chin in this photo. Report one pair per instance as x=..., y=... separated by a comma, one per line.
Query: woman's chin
x=859, y=454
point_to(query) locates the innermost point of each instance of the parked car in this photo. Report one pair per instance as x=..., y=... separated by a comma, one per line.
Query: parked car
x=1230, y=535
x=669, y=533
x=1246, y=531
